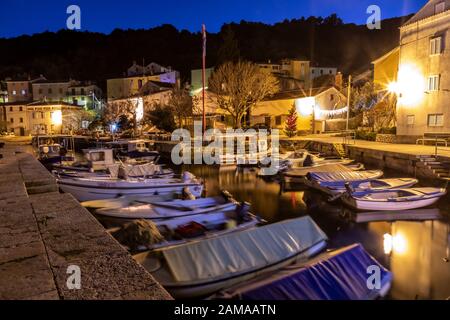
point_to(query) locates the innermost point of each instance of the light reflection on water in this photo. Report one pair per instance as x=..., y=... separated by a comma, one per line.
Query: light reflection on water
x=418, y=260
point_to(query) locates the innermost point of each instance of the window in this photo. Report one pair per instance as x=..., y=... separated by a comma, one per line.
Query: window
x=11, y=109
x=73, y=91
x=331, y=97
x=321, y=72
x=435, y=120
x=42, y=115
x=20, y=109
x=49, y=90
x=433, y=83
x=14, y=92
x=33, y=115
x=140, y=83
x=40, y=90
x=60, y=90
x=82, y=92
x=21, y=120
x=24, y=92
x=435, y=46
x=278, y=120
x=440, y=7
x=410, y=119
x=331, y=71
x=11, y=120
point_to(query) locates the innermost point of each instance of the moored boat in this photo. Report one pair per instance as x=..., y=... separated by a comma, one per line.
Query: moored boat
x=224, y=261
x=95, y=188
x=399, y=199
x=336, y=275
x=331, y=174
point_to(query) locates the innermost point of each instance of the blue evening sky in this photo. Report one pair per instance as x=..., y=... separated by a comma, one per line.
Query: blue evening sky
x=32, y=16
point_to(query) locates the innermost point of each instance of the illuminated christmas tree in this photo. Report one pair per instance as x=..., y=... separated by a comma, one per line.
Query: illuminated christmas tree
x=291, y=123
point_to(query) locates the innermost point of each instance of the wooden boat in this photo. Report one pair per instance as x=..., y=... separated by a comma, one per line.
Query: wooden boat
x=126, y=201
x=203, y=267
x=406, y=215
x=84, y=189
x=400, y=199
x=336, y=275
x=138, y=150
x=164, y=210
x=183, y=229
x=333, y=174
x=321, y=182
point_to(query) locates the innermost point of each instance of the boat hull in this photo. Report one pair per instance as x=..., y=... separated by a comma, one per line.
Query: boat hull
x=388, y=205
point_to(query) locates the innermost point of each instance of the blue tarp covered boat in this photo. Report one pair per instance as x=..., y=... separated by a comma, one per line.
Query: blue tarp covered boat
x=339, y=178
x=337, y=275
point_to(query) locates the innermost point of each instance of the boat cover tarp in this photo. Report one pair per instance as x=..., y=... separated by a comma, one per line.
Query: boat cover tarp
x=243, y=251
x=339, y=178
x=340, y=275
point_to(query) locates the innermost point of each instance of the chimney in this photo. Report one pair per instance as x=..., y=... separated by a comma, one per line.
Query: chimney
x=338, y=80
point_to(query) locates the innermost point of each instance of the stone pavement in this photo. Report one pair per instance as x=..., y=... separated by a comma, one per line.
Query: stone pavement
x=43, y=232
x=410, y=149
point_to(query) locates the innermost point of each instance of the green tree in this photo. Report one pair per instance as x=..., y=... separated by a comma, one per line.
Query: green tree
x=162, y=117
x=229, y=50
x=291, y=122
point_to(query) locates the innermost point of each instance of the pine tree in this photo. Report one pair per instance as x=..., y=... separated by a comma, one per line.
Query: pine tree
x=291, y=123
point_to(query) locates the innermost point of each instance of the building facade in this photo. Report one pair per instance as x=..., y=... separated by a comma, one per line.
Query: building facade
x=84, y=94
x=21, y=90
x=42, y=118
x=423, y=81
x=317, y=72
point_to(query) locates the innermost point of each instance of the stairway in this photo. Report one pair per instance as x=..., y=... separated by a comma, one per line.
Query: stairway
x=440, y=170
x=340, y=150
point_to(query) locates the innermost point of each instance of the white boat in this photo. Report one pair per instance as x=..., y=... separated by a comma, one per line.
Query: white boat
x=125, y=201
x=85, y=189
x=331, y=174
x=400, y=199
x=366, y=184
x=183, y=229
x=204, y=267
x=335, y=275
x=164, y=210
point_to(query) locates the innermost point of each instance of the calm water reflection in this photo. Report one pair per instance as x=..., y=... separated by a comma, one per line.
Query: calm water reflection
x=419, y=257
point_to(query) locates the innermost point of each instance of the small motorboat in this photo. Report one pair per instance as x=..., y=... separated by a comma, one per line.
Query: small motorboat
x=203, y=267
x=126, y=201
x=136, y=150
x=399, y=199
x=335, y=275
x=319, y=182
x=95, y=188
x=330, y=174
x=164, y=233
x=165, y=210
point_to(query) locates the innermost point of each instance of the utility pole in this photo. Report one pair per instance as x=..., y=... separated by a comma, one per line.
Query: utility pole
x=349, y=87
x=203, y=77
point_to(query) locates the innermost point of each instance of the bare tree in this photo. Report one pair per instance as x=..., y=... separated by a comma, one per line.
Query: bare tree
x=240, y=86
x=181, y=104
x=115, y=109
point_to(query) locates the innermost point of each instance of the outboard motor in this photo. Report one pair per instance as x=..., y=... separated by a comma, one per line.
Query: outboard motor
x=349, y=188
x=308, y=162
x=187, y=176
x=242, y=211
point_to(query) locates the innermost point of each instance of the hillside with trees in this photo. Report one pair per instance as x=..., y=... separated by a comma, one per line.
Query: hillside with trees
x=87, y=55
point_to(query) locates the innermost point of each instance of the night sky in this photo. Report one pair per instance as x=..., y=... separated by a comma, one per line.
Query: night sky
x=29, y=16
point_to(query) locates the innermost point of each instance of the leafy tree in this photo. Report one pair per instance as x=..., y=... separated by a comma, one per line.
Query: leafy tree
x=162, y=117
x=229, y=50
x=240, y=86
x=291, y=122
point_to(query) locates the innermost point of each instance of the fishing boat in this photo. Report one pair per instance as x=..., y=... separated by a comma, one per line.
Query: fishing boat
x=126, y=201
x=399, y=199
x=137, y=150
x=163, y=210
x=360, y=181
x=203, y=267
x=95, y=188
x=177, y=230
x=336, y=275
x=331, y=174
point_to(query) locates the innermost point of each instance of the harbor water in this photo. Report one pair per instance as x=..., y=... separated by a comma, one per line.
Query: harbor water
x=417, y=252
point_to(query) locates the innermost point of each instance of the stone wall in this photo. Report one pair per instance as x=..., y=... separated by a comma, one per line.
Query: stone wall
x=386, y=138
x=43, y=232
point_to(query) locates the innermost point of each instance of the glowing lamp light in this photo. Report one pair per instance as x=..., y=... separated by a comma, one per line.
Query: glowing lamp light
x=395, y=243
x=393, y=87
x=410, y=86
x=57, y=117
x=113, y=127
x=139, y=109
x=305, y=106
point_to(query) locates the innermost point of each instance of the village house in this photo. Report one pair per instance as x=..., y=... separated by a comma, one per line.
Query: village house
x=140, y=79
x=42, y=118
x=423, y=83
x=20, y=89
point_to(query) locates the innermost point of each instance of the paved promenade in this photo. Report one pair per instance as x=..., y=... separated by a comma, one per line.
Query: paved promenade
x=43, y=232
x=409, y=149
